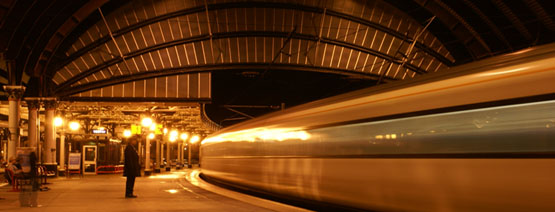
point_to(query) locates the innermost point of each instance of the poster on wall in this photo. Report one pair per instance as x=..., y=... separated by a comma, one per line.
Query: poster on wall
x=74, y=161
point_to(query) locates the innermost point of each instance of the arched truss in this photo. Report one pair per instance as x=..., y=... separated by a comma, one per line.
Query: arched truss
x=159, y=40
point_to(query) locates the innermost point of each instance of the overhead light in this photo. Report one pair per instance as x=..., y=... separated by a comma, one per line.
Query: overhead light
x=74, y=125
x=151, y=136
x=58, y=121
x=152, y=127
x=146, y=122
x=184, y=136
x=127, y=133
x=174, y=133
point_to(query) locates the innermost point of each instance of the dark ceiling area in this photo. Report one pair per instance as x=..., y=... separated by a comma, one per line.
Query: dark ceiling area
x=258, y=55
x=257, y=93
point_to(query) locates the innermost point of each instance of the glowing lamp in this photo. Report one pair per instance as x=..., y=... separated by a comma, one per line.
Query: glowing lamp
x=146, y=122
x=74, y=125
x=174, y=133
x=184, y=136
x=58, y=121
x=127, y=133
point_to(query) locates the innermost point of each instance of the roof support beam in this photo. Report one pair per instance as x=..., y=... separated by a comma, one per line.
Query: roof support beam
x=513, y=18
x=340, y=43
x=221, y=6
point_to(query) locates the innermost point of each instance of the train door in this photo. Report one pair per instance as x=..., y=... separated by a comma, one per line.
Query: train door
x=89, y=159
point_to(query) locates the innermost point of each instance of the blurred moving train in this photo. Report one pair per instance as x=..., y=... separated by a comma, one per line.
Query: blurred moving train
x=478, y=137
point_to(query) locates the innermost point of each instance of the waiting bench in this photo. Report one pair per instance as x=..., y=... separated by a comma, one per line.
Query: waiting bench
x=109, y=169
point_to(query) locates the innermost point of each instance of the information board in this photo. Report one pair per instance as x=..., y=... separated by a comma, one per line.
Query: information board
x=74, y=161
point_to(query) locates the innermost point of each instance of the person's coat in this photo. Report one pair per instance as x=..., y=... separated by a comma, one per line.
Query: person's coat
x=131, y=165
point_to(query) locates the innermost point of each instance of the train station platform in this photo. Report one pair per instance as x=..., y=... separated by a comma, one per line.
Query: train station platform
x=179, y=190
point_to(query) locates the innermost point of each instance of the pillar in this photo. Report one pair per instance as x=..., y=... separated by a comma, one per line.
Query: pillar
x=33, y=105
x=168, y=159
x=189, y=158
x=148, y=171
x=140, y=149
x=179, y=154
x=157, y=168
x=49, y=149
x=162, y=165
x=15, y=93
x=62, y=151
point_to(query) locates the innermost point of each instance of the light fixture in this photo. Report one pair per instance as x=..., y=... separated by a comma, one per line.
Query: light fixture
x=152, y=127
x=184, y=136
x=174, y=133
x=58, y=121
x=127, y=133
x=165, y=130
x=146, y=122
x=151, y=136
x=195, y=139
x=74, y=125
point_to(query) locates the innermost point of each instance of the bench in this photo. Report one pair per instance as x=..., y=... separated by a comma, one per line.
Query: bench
x=43, y=174
x=18, y=180
x=109, y=169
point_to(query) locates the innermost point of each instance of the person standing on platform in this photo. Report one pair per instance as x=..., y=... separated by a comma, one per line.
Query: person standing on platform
x=131, y=168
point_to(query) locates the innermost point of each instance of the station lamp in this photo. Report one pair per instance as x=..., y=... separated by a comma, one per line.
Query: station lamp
x=74, y=125
x=151, y=136
x=58, y=121
x=146, y=122
x=184, y=136
x=127, y=133
x=173, y=135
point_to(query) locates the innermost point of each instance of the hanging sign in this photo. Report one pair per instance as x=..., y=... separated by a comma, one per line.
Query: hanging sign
x=99, y=131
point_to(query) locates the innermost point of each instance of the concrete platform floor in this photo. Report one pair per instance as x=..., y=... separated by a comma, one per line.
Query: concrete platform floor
x=169, y=191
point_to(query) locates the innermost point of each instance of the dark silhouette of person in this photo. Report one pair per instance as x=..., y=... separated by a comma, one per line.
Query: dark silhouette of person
x=131, y=167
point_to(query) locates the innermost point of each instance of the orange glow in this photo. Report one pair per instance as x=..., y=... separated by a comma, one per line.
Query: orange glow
x=262, y=134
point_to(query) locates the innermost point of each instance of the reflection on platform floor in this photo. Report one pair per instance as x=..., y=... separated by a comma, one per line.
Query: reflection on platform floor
x=163, y=192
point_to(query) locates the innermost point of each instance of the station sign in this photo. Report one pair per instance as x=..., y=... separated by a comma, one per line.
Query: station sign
x=138, y=129
x=99, y=131
x=158, y=130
